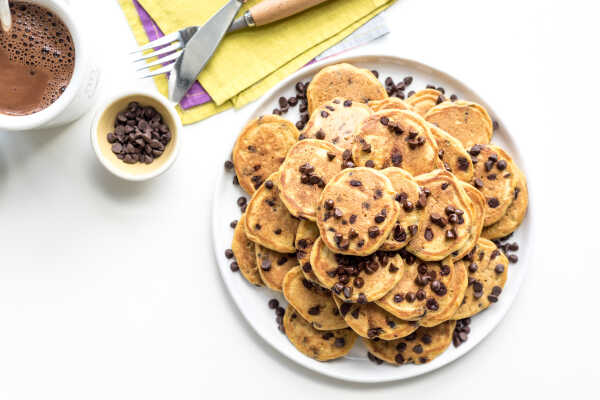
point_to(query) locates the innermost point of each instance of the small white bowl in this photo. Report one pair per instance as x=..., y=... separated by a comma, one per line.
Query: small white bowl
x=103, y=123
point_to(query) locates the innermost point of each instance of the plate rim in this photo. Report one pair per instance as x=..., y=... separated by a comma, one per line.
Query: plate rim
x=297, y=356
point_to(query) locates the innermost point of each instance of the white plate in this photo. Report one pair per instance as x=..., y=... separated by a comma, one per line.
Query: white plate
x=252, y=301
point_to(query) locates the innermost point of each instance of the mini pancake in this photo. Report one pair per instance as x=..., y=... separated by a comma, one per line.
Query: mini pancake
x=260, y=149
x=391, y=103
x=336, y=121
x=419, y=347
x=453, y=156
x=395, y=138
x=429, y=292
x=514, y=214
x=356, y=279
x=268, y=222
x=273, y=266
x=314, y=303
x=243, y=249
x=468, y=122
x=322, y=346
x=446, y=219
x=306, y=235
x=309, y=166
x=357, y=211
x=478, y=213
x=345, y=81
x=424, y=100
x=495, y=178
x=370, y=321
x=407, y=194
x=488, y=271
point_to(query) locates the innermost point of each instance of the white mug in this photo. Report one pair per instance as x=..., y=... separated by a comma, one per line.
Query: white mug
x=80, y=93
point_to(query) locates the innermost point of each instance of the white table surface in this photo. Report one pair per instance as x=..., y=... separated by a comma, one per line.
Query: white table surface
x=109, y=289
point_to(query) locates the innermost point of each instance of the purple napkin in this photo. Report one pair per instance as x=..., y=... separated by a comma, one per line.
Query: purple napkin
x=196, y=95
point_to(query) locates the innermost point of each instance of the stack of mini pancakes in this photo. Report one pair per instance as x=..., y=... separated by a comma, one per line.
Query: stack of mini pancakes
x=377, y=219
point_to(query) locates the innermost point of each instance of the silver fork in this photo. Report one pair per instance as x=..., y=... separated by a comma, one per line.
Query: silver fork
x=169, y=47
x=166, y=48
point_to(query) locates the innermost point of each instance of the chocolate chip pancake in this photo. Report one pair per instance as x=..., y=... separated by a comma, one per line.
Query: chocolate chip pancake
x=336, y=121
x=357, y=211
x=407, y=195
x=468, y=122
x=370, y=321
x=314, y=303
x=453, y=156
x=478, y=213
x=495, y=178
x=395, y=138
x=268, y=222
x=309, y=166
x=306, y=235
x=261, y=148
x=419, y=347
x=515, y=213
x=429, y=292
x=356, y=279
x=320, y=345
x=344, y=81
x=391, y=103
x=446, y=219
x=424, y=100
x=273, y=266
x=488, y=270
x=245, y=256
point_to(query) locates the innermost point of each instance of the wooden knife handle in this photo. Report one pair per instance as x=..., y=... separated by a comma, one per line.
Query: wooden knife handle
x=268, y=11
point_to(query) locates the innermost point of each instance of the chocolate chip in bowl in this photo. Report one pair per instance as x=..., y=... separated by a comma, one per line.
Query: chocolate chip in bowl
x=136, y=135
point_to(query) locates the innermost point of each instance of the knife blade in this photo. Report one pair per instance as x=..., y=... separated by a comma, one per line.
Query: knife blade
x=200, y=49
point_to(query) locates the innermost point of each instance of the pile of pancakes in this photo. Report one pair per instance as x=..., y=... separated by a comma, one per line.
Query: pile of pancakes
x=377, y=219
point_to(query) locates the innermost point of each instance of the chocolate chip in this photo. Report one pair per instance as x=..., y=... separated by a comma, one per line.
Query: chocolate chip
x=513, y=258
x=428, y=234
x=359, y=282
x=324, y=114
x=451, y=234
x=346, y=155
x=316, y=310
x=493, y=202
x=472, y=268
x=329, y=204
x=355, y=183
x=492, y=298
x=501, y=165
x=265, y=264
x=478, y=183
x=384, y=121
x=418, y=349
x=499, y=268
x=477, y=286
x=347, y=103
x=432, y=304
x=362, y=299
x=229, y=253
x=273, y=304
x=373, y=232
x=413, y=229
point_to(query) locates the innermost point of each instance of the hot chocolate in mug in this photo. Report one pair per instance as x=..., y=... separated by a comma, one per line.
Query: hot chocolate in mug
x=79, y=94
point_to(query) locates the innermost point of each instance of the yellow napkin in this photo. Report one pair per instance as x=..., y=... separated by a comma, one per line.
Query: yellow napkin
x=250, y=62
